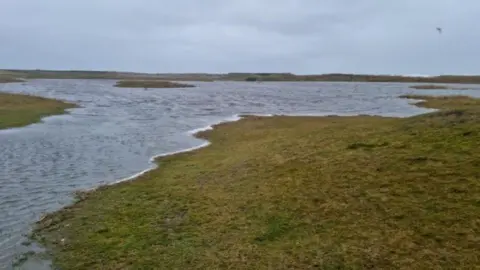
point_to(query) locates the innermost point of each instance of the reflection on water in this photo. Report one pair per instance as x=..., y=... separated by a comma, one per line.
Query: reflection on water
x=117, y=130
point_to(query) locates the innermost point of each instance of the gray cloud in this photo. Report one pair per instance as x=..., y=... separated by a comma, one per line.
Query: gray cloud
x=308, y=36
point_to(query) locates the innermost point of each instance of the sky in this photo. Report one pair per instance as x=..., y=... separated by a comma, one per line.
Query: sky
x=218, y=36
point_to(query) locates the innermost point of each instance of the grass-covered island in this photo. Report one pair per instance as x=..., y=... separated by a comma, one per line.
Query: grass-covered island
x=437, y=86
x=18, y=110
x=358, y=192
x=151, y=84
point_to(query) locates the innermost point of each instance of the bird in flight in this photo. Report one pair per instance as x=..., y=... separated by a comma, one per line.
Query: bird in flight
x=439, y=29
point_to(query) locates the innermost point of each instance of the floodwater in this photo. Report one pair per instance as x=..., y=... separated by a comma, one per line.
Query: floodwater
x=116, y=132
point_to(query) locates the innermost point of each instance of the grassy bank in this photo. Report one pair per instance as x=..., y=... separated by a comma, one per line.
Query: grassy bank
x=293, y=193
x=18, y=110
x=9, y=77
x=151, y=84
x=9, y=80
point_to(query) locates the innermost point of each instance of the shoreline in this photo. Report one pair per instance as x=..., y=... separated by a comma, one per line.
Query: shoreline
x=153, y=161
x=232, y=119
x=54, y=223
x=81, y=194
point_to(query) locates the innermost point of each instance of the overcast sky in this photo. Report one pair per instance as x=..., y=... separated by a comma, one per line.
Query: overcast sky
x=299, y=36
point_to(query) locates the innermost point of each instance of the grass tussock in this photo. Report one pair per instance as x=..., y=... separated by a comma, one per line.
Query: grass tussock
x=293, y=193
x=18, y=110
x=151, y=84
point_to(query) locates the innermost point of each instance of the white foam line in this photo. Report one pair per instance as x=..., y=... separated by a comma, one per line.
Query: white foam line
x=197, y=130
x=234, y=118
x=152, y=161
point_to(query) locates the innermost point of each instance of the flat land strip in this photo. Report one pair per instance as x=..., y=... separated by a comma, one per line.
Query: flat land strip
x=293, y=193
x=18, y=110
x=437, y=86
x=151, y=84
x=234, y=76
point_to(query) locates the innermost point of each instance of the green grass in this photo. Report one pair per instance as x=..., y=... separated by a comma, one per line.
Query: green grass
x=18, y=110
x=151, y=84
x=283, y=192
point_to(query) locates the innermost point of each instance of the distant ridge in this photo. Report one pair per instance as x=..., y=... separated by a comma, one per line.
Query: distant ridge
x=235, y=76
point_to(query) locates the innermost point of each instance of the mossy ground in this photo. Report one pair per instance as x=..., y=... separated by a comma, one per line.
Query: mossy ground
x=18, y=110
x=293, y=193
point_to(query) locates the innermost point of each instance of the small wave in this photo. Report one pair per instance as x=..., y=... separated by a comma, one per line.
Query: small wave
x=198, y=130
x=233, y=118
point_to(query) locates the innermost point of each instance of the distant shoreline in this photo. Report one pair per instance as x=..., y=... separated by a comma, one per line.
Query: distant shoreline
x=330, y=77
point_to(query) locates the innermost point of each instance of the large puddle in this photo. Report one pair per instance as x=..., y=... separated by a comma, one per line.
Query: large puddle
x=117, y=130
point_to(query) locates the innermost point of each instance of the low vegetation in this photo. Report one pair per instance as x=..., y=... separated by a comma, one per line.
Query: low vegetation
x=339, y=77
x=283, y=192
x=437, y=86
x=6, y=79
x=151, y=84
x=429, y=86
x=18, y=110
